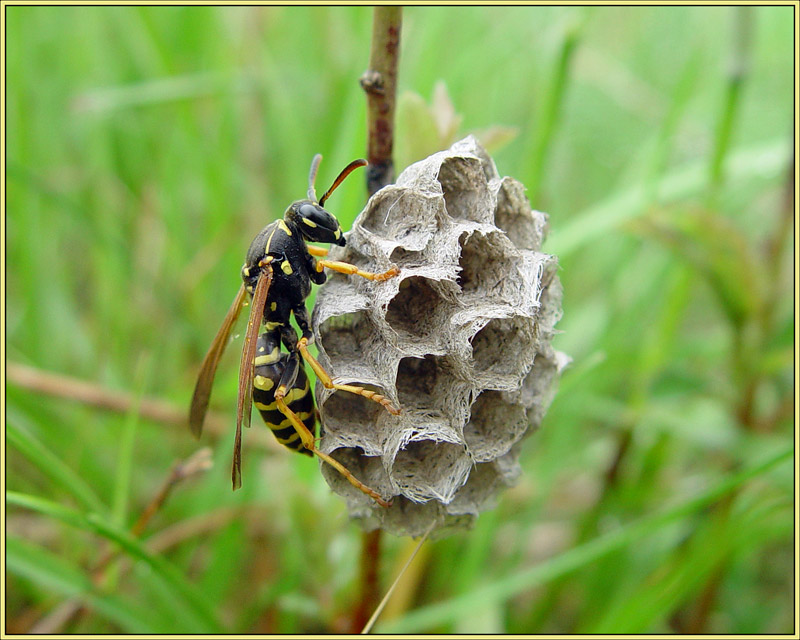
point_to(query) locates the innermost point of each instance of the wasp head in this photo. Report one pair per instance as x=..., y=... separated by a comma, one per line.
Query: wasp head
x=315, y=223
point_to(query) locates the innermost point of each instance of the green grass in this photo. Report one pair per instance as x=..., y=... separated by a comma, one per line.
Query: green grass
x=147, y=146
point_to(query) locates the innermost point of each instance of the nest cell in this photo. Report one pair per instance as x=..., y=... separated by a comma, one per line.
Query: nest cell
x=348, y=336
x=416, y=379
x=523, y=226
x=484, y=264
x=430, y=388
x=538, y=387
x=343, y=334
x=378, y=218
x=427, y=469
x=494, y=426
x=550, y=300
x=501, y=348
x=368, y=469
x=344, y=413
x=405, y=259
x=466, y=193
x=479, y=492
x=403, y=215
x=409, y=312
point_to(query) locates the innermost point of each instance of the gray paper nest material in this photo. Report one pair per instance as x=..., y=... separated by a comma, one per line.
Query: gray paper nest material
x=460, y=341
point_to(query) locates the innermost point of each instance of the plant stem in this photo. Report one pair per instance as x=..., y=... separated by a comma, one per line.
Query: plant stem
x=380, y=84
x=370, y=581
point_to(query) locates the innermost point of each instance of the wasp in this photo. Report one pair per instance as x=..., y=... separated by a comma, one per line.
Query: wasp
x=276, y=279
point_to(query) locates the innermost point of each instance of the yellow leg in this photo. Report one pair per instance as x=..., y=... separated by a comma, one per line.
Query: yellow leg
x=351, y=269
x=328, y=382
x=317, y=251
x=308, y=442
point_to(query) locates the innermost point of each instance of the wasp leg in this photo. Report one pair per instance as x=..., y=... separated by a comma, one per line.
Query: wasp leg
x=351, y=269
x=301, y=317
x=308, y=441
x=327, y=381
x=317, y=251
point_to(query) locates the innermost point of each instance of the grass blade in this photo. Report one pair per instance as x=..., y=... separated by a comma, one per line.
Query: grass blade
x=52, y=466
x=553, y=108
x=500, y=590
x=764, y=161
x=743, y=28
x=185, y=594
x=53, y=573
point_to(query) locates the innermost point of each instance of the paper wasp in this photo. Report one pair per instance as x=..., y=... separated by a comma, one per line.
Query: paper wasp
x=277, y=276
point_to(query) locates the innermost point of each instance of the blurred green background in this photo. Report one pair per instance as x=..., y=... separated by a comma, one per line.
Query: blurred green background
x=146, y=147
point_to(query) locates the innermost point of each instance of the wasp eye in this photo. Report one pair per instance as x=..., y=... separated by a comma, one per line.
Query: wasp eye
x=315, y=216
x=308, y=211
x=317, y=224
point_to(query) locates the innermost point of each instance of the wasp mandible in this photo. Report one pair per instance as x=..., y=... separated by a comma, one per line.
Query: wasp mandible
x=277, y=276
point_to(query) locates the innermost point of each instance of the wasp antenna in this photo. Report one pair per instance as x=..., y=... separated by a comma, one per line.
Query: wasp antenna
x=312, y=174
x=355, y=164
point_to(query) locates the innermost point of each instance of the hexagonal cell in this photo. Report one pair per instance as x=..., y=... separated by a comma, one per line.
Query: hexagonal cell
x=368, y=469
x=345, y=413
x=401, y=214
x=420, y=381
x=550, y=299
x=507, y=466
x=494, y=425
x=466, y=193
x=471, y=145
x=429, y=389
x=539, y=386
x=478, y=493
x=426, y=469
x=409, y=312
x=377, y=217
x=498, y=348
x=484, y=264
x=405, y=259
x=514, y=215
x=345, y=335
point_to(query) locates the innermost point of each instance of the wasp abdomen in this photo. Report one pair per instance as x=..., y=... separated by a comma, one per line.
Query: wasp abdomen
x=270, y=364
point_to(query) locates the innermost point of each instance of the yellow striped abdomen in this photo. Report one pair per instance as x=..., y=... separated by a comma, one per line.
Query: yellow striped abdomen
x=269, y=368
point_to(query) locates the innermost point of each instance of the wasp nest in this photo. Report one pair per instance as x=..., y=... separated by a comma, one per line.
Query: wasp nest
x=460, y=341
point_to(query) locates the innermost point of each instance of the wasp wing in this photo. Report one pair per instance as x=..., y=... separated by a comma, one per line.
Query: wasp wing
x=202, y=390
x=246, y=367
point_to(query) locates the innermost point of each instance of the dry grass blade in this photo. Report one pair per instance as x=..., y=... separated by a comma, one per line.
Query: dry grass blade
x=371, y=622
x=62, y=386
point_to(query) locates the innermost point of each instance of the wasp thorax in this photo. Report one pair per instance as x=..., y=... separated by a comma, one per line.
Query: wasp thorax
x=460, y=341
x=315, y=223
